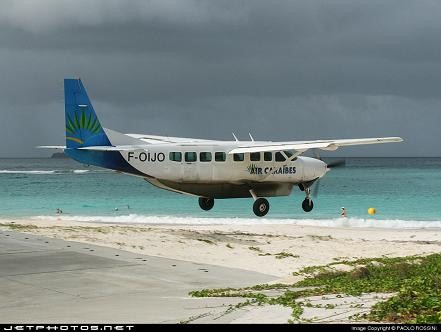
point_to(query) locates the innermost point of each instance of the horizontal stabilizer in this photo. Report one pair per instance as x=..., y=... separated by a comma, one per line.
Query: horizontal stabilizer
x=59, y=147
x=115, y=148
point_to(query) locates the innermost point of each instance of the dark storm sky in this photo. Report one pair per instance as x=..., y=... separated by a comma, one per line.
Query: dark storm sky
x=284, y=70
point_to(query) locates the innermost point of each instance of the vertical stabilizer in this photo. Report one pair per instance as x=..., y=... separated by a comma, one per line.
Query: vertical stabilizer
x=82, y=125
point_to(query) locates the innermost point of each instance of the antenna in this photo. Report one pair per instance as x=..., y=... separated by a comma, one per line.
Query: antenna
x=251, y=137
x=235, y=137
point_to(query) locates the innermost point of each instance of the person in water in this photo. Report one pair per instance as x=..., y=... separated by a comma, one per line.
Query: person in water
x=343, y=212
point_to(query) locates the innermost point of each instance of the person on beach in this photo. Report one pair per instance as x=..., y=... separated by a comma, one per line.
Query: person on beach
x=343, y=212
x=59, y=211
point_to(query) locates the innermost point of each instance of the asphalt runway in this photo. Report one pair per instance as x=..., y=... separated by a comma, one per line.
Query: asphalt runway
x=44, y=280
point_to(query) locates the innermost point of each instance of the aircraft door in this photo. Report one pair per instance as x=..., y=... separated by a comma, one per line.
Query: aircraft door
x=206, y=166
x=190, y=167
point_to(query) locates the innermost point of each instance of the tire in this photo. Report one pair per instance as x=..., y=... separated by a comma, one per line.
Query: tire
x=307, y=205
x=261, y=207
x=206, y=203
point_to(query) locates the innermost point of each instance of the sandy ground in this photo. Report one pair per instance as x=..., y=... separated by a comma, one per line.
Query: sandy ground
x=271, y=249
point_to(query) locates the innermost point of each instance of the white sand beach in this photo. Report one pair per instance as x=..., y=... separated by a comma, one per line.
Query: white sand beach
x=275, y=249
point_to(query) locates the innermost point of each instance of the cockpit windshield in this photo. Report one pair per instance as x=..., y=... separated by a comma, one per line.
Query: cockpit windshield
x=289, y=153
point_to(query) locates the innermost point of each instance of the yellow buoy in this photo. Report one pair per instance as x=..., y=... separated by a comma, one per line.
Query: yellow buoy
x=371, y=210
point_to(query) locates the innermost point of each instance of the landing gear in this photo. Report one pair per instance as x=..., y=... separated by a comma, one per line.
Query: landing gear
x=261, y=207
x=206, y=203
x=307, y=204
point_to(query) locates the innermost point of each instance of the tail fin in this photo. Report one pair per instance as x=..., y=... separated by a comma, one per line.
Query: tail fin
x=82, y=125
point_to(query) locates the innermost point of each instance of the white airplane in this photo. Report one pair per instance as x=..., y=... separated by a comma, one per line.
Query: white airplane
x=206, y=169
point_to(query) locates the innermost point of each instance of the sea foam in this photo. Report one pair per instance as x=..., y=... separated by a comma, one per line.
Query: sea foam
x=75, y=171
x=5, y=171
x=338, y=222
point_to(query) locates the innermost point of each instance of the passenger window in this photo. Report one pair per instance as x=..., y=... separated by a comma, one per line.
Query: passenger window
x=190, y=156
x=255, y=156
x=268, y=156
x=220, y=156
x=175, y=156
x=205, y=156
x=280, y=157
x=238, y=157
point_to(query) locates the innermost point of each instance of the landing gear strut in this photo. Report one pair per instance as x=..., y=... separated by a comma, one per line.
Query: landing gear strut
x=260, y=206
x=206, y=203
x=307, y=204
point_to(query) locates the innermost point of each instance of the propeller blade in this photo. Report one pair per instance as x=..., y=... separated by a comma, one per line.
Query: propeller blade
x=333, y=164
x=337, y=163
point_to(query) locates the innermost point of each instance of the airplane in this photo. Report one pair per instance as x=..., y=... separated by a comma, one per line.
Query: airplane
x=206, y=169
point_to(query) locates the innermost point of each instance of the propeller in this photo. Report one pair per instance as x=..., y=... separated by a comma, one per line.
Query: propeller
x=333, y=164
x=337, y=163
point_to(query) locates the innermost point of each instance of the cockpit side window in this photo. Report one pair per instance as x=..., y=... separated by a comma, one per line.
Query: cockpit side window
x=280, y=157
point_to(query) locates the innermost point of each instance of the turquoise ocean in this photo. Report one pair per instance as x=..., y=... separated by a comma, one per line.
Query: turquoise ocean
x=406, y=192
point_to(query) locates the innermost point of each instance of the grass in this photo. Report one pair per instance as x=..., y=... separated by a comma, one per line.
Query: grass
x=19, y=227
x=284, y=254
x=206, y=241
x=255, y=249
x=414, y=281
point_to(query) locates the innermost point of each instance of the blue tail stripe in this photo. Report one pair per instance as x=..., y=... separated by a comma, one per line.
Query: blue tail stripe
x=106, y=159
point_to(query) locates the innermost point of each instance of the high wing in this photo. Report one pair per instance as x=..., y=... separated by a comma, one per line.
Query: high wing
x=302, y=146
x=154, y=139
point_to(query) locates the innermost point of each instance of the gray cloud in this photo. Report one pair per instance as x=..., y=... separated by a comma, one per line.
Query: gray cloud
x=282, y=69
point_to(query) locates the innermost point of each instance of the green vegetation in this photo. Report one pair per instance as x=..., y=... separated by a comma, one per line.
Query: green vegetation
x=19, y=227
x=206, y=241
x=255, y=249
x=414, y=282
x=284, y=254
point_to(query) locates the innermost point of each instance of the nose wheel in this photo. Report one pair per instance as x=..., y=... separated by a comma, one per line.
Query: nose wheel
x=307, y=204
x=206, y=203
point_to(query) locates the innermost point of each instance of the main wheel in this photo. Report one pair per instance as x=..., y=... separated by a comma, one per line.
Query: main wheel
x=261, y=207
x=206, y=203
x=307, y=205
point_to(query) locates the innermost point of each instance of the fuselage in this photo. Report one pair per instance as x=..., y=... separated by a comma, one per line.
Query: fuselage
x=206, y=169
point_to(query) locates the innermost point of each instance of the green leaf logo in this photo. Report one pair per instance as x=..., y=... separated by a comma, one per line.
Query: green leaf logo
x=81, y=121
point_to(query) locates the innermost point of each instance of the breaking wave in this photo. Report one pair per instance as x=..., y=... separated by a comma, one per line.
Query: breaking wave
x=75, y=171
x=158, y=220
x=5, y=171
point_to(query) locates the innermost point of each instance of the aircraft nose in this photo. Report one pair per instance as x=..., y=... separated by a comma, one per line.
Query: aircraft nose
x=322, y=168
x=313, y=168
